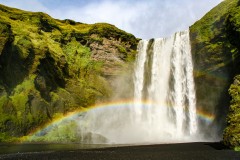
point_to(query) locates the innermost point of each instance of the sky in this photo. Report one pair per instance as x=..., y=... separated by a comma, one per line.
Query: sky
x=143, y=18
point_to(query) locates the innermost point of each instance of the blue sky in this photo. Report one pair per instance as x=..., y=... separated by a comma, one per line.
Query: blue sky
x=143, y=18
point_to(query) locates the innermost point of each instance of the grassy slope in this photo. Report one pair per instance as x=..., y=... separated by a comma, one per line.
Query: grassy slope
x=47, y=69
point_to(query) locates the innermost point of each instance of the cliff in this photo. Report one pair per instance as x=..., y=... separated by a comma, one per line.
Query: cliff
x=232, y=132
x=215, y=47
x=49, y=67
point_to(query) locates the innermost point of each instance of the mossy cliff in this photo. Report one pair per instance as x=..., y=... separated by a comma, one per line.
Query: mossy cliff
x=232, y=132
x=50, y=66
x=215, y=46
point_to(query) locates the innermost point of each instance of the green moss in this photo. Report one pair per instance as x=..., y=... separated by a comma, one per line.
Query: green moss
x=16, y=107
x=232, y=132
x=54, y=96
x=26, y=85
x=131, y=56
x=20, y=101
x=204, y=29
x=121, y=49
x=3, y=99
x=4, y=137
x=21, y=92
x=75, y=49
x=107, y=30
x=237, y=148
x=48, y=67
x=24, y=46
x=64, y=132
x=79, y=58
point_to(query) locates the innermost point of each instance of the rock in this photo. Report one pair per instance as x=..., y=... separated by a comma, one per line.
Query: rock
x=213, y=63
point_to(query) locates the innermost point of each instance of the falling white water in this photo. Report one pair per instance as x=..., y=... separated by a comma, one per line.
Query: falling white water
x=164, y=107
x=139, y=78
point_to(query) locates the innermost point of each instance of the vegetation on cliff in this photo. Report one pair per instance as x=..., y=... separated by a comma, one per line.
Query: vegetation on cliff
x=215, y=46
x=50, y=66
x=232, y=132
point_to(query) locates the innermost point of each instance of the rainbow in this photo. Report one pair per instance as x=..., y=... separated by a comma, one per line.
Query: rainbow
x=117, y=104
x=205, y=116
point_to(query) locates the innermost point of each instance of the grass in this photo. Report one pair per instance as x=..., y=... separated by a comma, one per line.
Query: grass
x=56, y=56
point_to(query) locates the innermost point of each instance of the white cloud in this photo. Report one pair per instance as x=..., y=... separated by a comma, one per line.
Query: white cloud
x=144, y=19
x=119, y=13
x=29, y=5
x=166, y=17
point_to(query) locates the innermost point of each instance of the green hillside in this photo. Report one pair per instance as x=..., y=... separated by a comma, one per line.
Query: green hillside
x=49, y=67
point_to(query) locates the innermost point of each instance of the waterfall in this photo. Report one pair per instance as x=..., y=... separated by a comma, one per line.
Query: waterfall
x=164, y=105
x=164, y=77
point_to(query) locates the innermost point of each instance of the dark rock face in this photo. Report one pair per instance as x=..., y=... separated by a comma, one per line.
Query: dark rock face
x=231, y=135
x=50, y=67
x=215, y=47
x=5, y=36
